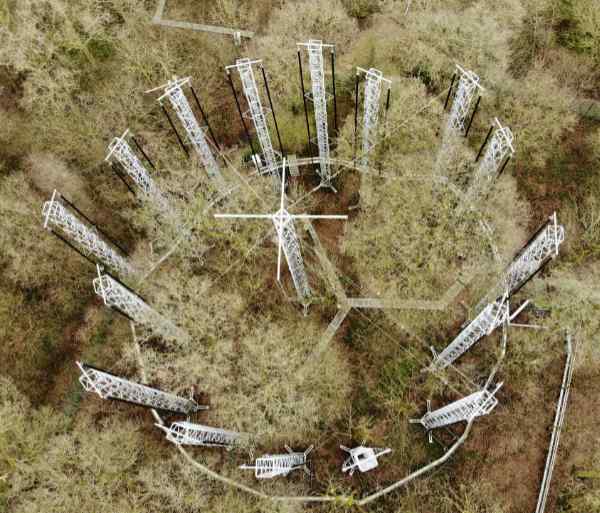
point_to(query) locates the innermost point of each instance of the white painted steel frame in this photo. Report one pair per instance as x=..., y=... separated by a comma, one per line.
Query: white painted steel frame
x=288, y=240
x=109, y=386
x=116, y=295
x=373, y=83
x=319, y=99
x=256, y=113
x=188, y=433
x=362, y=458
x=119, y=149
x=274, y=465
x=499, y=148
x=492, y=316
x=57, y=215
x=543, y=247
x=468, y=84
x=474, y=405
x=195, y=133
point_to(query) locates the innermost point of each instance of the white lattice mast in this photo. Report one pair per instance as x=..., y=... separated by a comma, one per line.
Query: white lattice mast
x=373, y=84
x=474, y=405
x=319, y=98
x=288, y=240
x=362, y=458
x=196, y=134
x=500, y=147
x=256, y=113
x=491, y=317
x=188, y=433
x=468, y=85
x=116, y=295
x=57, y=216
x=541, y=248
x=274, y=465
x=109, y=386
x=120, y=150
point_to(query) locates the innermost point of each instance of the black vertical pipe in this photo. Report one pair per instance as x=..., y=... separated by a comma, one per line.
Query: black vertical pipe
x=449, y=91
x=335, y=124
x=487, y=137
x=472, y=116
x=143, y=152
x=272, y=109
x=503, y=166
x=304, y=101
x=205, y=118
x=387, y=104
x=237, y=102
x=122, y=179
x=356, y=113
x=176, y=132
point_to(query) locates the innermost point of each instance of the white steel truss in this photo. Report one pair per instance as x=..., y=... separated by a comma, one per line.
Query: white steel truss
x=119, y=149
x=319, y=98
x=196, y=134
x=543, y=246
x=115, y=295
x=57, y=215
x=188, y=433
x=500, y=146
x=362, y=458
x=474, y=405
x=109, y=386
x=468, y=84
x=257, y=114
x=492, y=316
x=288, y=240
x=274, y=465
x=373, y=83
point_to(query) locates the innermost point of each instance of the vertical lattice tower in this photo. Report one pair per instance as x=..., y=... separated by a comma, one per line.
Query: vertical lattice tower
x=121, y=151
x=109, y=386
x=196, y=134
x=56, y=214
x=116, y=295
x=468, y=84
x=541, y=248
x=373, y=83
x=499, y=148
x=319, y=98
x=257, y=114
x=286, y=231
